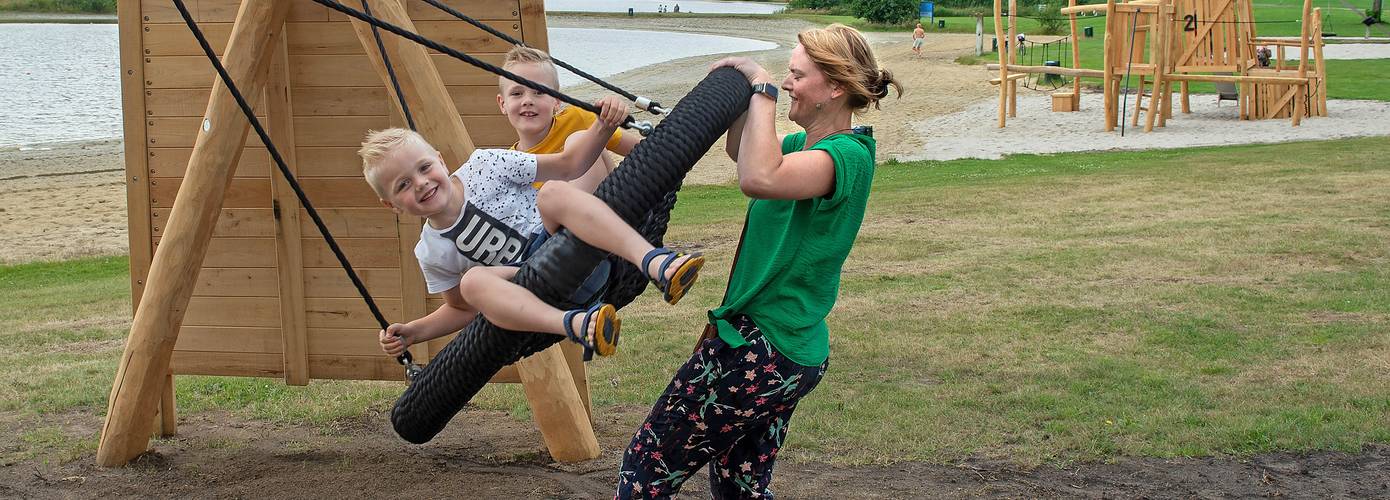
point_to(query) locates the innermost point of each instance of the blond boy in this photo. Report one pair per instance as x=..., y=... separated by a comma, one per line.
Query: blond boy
x=483, y=217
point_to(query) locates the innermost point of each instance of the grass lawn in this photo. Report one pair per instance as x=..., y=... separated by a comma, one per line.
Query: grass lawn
x=1046, y=309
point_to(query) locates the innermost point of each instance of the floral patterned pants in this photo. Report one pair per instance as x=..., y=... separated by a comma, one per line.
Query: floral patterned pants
x=728, y=407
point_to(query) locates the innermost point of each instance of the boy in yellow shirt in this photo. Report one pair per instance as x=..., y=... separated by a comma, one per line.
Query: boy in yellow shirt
x=541, y=124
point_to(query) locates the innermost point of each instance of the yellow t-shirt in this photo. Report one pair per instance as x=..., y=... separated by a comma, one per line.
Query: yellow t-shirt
x=566, y=122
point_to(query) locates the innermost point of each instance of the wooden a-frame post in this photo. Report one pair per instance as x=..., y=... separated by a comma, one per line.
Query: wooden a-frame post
x=556, y=405
x=144, y=367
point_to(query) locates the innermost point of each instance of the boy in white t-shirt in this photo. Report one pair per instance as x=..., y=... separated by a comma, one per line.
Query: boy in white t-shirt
x=484, y=217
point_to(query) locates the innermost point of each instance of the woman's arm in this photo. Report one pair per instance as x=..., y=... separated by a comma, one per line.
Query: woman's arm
x=763, y=171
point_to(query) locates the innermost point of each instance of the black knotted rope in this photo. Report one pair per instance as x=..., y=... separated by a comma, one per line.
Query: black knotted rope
x=405, y=357
x=652, y=106
x=481, y=64
x=652, y=173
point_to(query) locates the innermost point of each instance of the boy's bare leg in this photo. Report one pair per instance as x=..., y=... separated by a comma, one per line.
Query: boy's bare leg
x=509, y=306
x=563, y=205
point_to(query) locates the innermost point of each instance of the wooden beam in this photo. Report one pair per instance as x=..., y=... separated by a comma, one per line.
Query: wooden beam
x=1050, y=70
x=1083, y=9
x=1015, y=76
x=288, y=239
x=1281, y=80
x=436, y=117
x=144, y=364
x=558, y=410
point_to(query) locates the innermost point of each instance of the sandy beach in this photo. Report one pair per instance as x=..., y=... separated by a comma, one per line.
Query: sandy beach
x=67, y=200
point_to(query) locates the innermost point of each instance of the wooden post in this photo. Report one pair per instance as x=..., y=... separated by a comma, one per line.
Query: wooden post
x=1300, y=101
x=1013, y=57
x=168, y=418
x=559, y=412
x=288, y=240
x=144, y=364
x=550, y=388
x=1075, y=61
x=1322, y=66
x=436, y=117
x=979, y=35
x=1111, y=23
x=137, y=174
x=1003, y=61
x=1158, y=45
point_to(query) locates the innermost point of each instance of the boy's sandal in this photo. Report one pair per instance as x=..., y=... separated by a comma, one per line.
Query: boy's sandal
x=605, y=340
x=673, y=289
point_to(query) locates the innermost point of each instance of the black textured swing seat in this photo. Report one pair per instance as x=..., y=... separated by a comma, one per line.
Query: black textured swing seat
x=641, y=191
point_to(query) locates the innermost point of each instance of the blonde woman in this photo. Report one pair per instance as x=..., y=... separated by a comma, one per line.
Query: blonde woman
x=767, y=345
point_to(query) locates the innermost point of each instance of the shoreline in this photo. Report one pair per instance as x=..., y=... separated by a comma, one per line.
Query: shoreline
x=17, y=17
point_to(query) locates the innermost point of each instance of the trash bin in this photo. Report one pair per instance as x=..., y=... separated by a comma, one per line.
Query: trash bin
x=941, y=23
x=1090, y=31
x=1051, y=79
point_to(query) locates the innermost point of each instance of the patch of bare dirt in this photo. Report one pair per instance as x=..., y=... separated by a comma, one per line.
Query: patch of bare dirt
x=487, y=454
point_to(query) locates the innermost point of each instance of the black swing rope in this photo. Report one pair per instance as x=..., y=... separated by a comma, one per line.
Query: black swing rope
x=643, y=127
x=642, y=102
x=390, y=70
x=405, y=358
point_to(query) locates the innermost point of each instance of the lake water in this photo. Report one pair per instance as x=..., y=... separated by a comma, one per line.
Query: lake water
x=699, y=6
x=62, y=81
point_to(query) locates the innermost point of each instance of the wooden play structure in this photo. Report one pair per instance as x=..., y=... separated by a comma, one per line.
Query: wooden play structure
x=1150, y=44
x=228, y=275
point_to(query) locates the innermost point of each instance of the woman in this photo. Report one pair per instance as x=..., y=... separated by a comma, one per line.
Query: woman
x=767, y=345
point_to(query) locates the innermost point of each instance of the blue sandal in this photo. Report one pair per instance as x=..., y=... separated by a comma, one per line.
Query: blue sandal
x=605, y=341
x=673, y=289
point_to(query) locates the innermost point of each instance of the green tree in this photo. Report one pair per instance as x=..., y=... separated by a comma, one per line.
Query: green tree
x=1050, y=19
x=886, y=11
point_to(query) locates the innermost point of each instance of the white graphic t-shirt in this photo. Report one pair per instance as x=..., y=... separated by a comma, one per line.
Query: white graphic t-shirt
x=498, y=217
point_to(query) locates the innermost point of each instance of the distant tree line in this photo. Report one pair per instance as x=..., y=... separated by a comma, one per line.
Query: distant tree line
x=901, y=12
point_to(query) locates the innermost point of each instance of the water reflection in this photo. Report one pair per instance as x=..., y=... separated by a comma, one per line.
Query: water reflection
x=62, y=81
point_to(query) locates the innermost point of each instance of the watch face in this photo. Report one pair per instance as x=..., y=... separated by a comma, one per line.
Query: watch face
x=766, y=89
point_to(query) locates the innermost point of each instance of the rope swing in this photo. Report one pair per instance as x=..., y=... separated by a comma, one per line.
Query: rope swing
x=641, y=191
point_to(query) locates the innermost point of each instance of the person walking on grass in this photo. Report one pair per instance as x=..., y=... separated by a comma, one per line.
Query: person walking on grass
x=767, y=345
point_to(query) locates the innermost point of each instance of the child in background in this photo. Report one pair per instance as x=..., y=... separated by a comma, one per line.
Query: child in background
x=542, y=122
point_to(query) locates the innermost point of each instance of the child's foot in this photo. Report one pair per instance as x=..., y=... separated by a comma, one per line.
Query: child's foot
x=598, y=327
x=673, y=275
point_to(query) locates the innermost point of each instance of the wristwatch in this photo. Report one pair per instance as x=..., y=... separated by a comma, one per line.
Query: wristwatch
x=766, y=89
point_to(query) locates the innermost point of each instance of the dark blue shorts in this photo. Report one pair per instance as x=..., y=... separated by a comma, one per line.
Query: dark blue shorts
x=591, y=291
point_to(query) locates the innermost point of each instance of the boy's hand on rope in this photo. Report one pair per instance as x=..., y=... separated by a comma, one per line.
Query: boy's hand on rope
x=612, y=113
x=395, y=338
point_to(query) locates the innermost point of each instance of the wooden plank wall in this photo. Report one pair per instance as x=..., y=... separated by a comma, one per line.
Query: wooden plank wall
x=234, y=323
